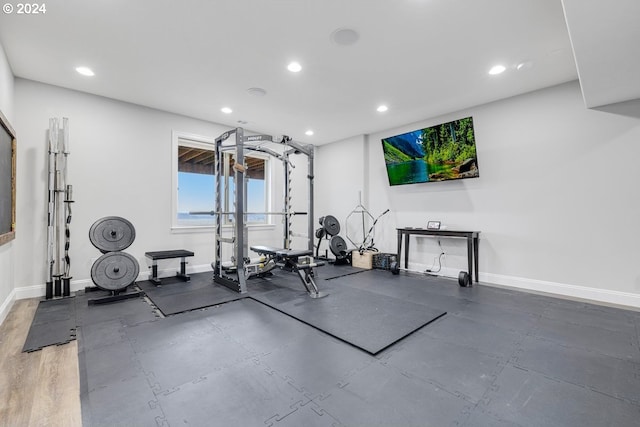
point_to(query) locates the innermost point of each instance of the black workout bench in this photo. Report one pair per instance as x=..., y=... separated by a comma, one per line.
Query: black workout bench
x=177, y=253
x=289, y=259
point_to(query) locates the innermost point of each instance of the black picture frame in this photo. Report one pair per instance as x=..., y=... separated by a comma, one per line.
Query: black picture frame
x=7, y=181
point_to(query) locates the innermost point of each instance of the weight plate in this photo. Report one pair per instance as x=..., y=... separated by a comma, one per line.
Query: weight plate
x=463, y=279
x=338, y=246
x=114, y=271
x=331, y=225
x=112, y=234
x=395, y=268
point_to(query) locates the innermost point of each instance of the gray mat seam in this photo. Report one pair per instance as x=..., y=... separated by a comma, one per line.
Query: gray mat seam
x=344, y=340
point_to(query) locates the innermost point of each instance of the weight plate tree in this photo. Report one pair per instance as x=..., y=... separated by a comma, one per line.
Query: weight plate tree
x=114, y=271
x=112, y=234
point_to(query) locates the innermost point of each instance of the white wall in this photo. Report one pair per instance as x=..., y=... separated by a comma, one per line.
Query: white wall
x=7, y=250
x=340, y=180
x=120, y=164
x=6, y=86
x=556, y=201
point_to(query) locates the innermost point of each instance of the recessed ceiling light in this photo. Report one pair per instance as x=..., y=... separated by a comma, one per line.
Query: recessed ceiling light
x=345, y=36
x=309, y=132
x=524, y=65
x=497, y=69
x=294, y=67
x=226, y=110
x=256, y=91
x=85, y=71
x=382, y=108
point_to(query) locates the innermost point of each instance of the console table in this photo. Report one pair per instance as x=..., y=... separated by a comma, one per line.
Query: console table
x=472, y=245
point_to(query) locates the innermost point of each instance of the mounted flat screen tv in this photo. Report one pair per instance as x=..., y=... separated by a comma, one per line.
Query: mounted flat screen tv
x=438, y=153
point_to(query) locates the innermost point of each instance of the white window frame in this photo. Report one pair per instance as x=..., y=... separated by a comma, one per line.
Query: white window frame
x=207, y=143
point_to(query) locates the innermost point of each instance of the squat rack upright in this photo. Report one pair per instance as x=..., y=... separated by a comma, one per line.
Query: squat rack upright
x=239, y=239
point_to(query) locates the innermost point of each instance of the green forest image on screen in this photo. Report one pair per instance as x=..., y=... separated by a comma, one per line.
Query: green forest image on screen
x=437, y=153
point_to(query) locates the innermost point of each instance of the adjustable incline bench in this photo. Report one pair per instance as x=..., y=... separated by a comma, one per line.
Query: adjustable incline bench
x=299, y=261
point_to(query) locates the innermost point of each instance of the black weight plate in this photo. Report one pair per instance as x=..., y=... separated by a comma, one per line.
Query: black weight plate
x=331, y=225
x=112, y=234
x=463, y=279
x=338, y=246
x=114, y=271
x=395, y=268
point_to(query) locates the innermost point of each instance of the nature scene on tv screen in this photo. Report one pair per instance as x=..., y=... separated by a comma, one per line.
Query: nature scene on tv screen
x=437, y=153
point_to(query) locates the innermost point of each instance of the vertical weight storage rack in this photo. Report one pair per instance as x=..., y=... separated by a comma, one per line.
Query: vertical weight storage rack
x=59, y=202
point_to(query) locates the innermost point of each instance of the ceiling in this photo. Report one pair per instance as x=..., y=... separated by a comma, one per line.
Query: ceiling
x=605, y=36
x=421, y=58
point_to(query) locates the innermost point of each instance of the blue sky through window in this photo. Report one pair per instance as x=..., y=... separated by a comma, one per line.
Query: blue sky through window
x=197, y=193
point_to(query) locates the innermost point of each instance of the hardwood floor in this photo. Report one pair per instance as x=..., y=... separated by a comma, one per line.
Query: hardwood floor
x=41, y=388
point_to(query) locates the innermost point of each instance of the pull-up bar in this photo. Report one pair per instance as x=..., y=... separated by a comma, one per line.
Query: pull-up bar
x=247, y=213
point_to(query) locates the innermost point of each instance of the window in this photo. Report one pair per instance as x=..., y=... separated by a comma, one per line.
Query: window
x=256, y=178
x=193, y=197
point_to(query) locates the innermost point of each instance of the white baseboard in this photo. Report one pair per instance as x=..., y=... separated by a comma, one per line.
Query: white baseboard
x=562, y=290
x=37, y=291
x=5, y=308
x=606, y=296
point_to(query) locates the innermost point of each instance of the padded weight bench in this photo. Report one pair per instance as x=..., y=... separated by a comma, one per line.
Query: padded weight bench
x=178, y=253
x=289, y=259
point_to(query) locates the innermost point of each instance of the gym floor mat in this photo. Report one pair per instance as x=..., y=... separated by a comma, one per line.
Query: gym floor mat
x=227, y=401
x=54, y=323
x=429, y=291
x=57, y=321
x=488, y=339
x=332, y=360
x=460, y=370
x=527, y=398
x=175, y=296
x=248, y=364
x=332, y=271
x=364, y=319
x=130, y=311
x=605, y=374
x=380, y=396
